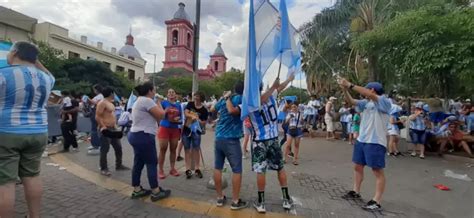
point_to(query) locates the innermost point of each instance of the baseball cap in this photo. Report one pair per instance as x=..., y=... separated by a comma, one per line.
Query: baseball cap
x=332, y=98
x=376, y=86
x=419, y=105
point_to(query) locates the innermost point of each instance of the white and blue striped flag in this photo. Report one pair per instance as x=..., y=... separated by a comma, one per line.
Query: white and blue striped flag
x=271, y=35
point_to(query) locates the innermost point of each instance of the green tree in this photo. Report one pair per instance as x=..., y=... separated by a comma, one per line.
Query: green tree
x=431, y=50
x=301, y=94
x=53, y=59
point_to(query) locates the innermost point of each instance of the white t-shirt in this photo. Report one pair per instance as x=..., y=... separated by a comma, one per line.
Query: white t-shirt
x=344, y=112
x=293, y=120
x=141, y=116
x=374, y=120
x=67, y=102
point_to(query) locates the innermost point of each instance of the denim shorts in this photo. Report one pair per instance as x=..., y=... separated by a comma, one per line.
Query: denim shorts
x=418, y=136
x=368, y=154
x=230, y=149
x=191, y=142
x=296, y=133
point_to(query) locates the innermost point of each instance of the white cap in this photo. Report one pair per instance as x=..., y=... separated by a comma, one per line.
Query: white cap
x=468, y=100
x=332, y=98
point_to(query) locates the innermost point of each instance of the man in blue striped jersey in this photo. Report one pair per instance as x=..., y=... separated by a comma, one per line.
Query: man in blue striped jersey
x=266, y=150
x=25, y=86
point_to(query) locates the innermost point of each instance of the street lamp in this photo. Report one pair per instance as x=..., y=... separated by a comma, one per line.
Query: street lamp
x=154, y=67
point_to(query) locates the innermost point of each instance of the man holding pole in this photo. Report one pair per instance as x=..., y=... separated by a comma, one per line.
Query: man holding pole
x=371, y=144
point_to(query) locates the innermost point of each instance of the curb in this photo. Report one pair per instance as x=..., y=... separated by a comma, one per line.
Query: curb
x=175, y=203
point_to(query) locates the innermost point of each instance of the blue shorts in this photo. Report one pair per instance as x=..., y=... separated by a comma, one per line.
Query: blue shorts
x=191, y=142
x=418, y=136
x=230, y=149
x=372, y=155
x=295, y=133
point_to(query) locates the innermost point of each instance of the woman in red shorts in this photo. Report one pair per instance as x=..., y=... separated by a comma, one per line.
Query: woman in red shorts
x=169, y=133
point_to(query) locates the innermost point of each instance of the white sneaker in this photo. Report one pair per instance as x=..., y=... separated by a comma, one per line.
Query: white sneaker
x=90, y=147
x=75, y=149
x=260, y=207
x=93, y=152
x=413, y=154
x=287, y=204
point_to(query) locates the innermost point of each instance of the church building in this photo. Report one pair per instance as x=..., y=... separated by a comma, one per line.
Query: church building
x=180, y=47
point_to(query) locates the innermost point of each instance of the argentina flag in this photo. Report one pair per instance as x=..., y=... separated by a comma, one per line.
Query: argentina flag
x=4, y=49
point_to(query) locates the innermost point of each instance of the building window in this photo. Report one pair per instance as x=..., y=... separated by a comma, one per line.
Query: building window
x=216, y=66
x=189, y=40
x=175, y=37
x=131, y=74
x=119, y=69
x=72, y=55
x=91, y=58
x=106, y=64
x=131, y=58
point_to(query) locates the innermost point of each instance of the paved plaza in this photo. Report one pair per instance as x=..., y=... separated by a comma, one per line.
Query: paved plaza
x=74, y=188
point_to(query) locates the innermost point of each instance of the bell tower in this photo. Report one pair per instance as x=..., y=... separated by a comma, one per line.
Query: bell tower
x=180, y=41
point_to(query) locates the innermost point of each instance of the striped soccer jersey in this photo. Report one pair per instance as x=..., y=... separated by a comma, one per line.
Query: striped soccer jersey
x=24, y=93
x=264, y=121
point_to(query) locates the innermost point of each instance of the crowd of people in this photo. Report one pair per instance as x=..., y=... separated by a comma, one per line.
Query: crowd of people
x=271, y=135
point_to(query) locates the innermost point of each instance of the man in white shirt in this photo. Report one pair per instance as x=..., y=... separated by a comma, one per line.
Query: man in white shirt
x=95, y=142
x=344, y=112
x=371, y=144
x=313, y=106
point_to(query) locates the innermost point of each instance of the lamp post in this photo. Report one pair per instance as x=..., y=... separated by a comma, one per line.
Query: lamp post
x=154, y=67
x=196, y=46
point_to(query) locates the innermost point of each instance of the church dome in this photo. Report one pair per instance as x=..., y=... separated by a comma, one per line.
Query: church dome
x=219, y=50
x=129, y=50
x=181, y=13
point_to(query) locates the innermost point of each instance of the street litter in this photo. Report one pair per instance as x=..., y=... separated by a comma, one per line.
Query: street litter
x=52, y=164
x=442, y=187
x=465, y=177
x=62, y=168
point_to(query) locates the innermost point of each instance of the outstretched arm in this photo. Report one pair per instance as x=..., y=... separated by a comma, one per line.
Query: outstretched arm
x=359, y=89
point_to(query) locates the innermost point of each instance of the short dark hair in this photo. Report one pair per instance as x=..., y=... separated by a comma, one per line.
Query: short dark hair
x=98, y=87
x=144, y=88
x=201, y=95
x=65, y=93
x=239, y=87
x=26, y=51
x=107, y=91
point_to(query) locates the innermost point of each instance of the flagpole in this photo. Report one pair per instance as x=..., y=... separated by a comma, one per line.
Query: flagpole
x=279, y=68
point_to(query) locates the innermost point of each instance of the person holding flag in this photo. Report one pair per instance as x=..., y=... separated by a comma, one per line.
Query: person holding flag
x=266, y=150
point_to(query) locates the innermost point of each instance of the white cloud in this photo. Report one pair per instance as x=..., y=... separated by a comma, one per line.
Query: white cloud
x=109, y=21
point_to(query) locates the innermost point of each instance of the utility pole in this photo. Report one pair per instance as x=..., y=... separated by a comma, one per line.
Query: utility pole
x=196, y=46
x=154, y=68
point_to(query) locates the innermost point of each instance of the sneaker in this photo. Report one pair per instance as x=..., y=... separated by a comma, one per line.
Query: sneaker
x=121, y=167
x=105, y=173
x=239, y=205
x=189, y=174
x=398, y=154
x=413, y=154
x=221, y=201
x=94, y=151
x=351, y=195
x=372, y=206
x=198, y=173
x=140, y=194
x=174, y=172
x=90, y=147
x=287, y=204
x=160, y=195
x=179, y=158
x=422, y=156
x=259, y=206
x=75, y=150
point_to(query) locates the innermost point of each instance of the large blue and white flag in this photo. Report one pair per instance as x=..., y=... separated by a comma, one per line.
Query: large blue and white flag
x=131, y=101
x=284, y=34
x=253, y=78
x=4, y=49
